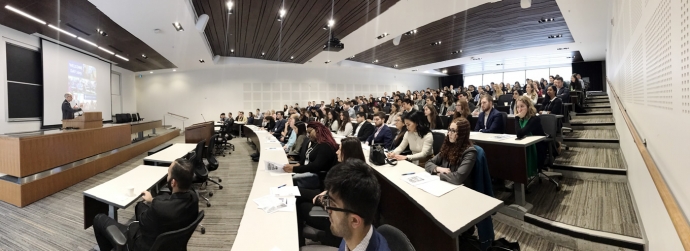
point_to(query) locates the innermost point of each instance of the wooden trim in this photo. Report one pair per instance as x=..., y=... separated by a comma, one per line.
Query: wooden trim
x=680, y=223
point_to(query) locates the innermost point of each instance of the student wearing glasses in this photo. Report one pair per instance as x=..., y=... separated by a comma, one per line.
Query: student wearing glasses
x=456, y=160
x=351, y=200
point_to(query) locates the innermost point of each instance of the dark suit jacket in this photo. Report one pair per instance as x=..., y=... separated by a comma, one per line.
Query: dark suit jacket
x=279, y=127
x=168, y=212
x=68, y=111
x=385, y=137
x=555, y=107
x=564, y=94
x=364, y=132
x=494, y=124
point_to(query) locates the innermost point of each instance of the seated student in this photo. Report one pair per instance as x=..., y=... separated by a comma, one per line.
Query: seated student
x=240, y=118
x=350, y=148
x=364, y=129
x=269, y=123
x=463, y=96
x=456, y=159
x=352, y=199
x=222, y=117
x=164, y=213
x=462, y=110
x=290, y=138
x=382, y=134
x=250, y=118
x=432, y=117
x=300, y=129
x=516, y=96
x=280, y=125
x=490, y=120
x=345, y=127
x=418, y=137
x=527, y=123
x=552, y=104
x=394, y=114
x=320, y=157
x=333, y=121
x=397, y=138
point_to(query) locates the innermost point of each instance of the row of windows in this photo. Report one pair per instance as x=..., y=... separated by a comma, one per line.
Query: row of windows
x=519, y=76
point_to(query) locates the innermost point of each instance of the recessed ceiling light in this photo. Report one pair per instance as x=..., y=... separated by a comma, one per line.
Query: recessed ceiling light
x=263, y=54
x=123, y=58
x=382, y=35
x=331, y=23
x=568, y=57
x=150, y=72
x=174, y=70
x=102, y=32
x=61, y=30
x=201, y=61
x=556, y=36
x=351, y=57
x=325, y=27
x=106, y=50
x=544, y=20
x=24, y=14
x=499, y=64
x=282, y=12
x=232, y=50
x=454, y=52
x=178, y=26
x=144, y=56
x=395, y=66
x=229, y=4
x=444, y=71
x=327, y=61
x=87, y=41
x=292, y=57
x=375, y=61
x=564, y=48
x=412, y=32
x=435, y=43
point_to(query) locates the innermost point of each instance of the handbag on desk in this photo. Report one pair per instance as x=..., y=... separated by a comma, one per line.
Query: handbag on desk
x=377, y=156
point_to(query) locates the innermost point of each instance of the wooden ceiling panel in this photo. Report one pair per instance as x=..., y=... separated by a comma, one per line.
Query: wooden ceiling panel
x=86, y=18
x=488, y=28
x=253, y=27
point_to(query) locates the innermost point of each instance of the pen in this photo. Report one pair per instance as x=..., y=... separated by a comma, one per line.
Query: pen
x=407, y=173
x=282, y=185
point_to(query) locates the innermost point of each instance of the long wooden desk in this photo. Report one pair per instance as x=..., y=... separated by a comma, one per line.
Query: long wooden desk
x=140, y=127
x=259, y=230
x=112, y=195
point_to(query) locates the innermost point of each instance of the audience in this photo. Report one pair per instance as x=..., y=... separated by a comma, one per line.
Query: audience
x=333, y=121
x=562, y=92
x=448, y=107
x=490, y=120
x=222, y=117
x=511, y=107
x=408, y=106
x=552, y=104
x=300, y=129
x=462, y=110
x=164, y=213
x=269, y=123
x=319, y=158
x=432, y=117
x=531, y=93
x=418, y=137
x=364, y=129
x=240, y=118
x=350, y=111
x=382, y=134
x=280, y=125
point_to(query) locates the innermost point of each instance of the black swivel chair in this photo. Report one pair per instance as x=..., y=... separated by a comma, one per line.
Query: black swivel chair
x=201, y=173
x=169, y=241
x=134, y=117
x=213, y=162
x=549, y=123
x=505, y=121
x=128, y=117
x=139, y=117
x=438, y=141
x=397, y=240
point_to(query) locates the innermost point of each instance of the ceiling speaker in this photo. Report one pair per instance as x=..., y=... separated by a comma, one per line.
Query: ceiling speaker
x=216, y=58
x=396, y=40
x=201, y=22
x=525, y=4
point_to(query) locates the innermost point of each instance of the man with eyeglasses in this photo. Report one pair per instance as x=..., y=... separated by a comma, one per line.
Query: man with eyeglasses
x=351, y=200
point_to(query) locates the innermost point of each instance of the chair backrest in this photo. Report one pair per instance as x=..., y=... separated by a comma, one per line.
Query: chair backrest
x=397, y=240
x=177, y=240
x=549, y=123
x=128, y=117
x=505, y=122
x=212, y=162
x=119, y=118
x=394, y=131
x=257, y=122
x=387, y=109
x=504, y=98
x=134, y=117
x=438, y=141
x=199, y=150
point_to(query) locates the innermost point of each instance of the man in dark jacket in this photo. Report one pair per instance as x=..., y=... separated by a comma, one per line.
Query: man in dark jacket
x=382, y=134
x=364, y=128
x=490, y=120
x=164, y=213
x=67, y=110
x=280, y=125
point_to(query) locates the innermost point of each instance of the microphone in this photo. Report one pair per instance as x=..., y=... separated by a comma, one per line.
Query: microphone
x=202, y=116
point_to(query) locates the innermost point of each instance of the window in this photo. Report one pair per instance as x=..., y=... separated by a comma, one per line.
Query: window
x=537, y=74
x=475, y=80
x=564, y=72
x=492, y=77
x=511, y=77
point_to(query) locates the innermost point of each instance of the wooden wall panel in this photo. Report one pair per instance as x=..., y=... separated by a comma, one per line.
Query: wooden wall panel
x=39, y=189
x=197, y=132
x=10, y=192
x=9, y=148
x=40, y=153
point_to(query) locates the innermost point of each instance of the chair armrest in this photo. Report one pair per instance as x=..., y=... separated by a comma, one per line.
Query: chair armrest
x=318, y=212
x=116, y=237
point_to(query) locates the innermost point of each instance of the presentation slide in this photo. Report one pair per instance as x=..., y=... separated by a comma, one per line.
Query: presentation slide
x=69, y=71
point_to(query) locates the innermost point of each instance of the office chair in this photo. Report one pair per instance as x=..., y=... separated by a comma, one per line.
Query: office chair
x=139, y=117
x=302, y=152
x=134, y=117
x=257, y=122
x=397, y=240
x=169, y=241
x=549, y=123
x=394, y=130
x=504, y=98
x=505, y=121
x=438, y=141
x=128, y=118
x=201, y=173
x=212, y=162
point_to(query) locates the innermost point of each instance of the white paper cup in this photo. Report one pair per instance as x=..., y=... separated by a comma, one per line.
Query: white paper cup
x=505, y=103
x=130, y=191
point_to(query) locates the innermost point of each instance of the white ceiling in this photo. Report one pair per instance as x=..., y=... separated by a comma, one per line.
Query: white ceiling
x=586, y=19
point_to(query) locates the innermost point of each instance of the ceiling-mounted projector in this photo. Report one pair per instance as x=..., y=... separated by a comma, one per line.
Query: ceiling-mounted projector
x=333, y=44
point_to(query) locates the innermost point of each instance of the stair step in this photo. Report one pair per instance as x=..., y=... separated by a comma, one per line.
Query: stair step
x=596, y=101
x=592, y=134
x=592, y=119
x=594, y=114
x=591, y=157
x=598, y=106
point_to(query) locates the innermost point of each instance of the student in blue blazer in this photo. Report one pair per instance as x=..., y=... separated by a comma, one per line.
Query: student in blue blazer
x=494, y=123
x=382, y=134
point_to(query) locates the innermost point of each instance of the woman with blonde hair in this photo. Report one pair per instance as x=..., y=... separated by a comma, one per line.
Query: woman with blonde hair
x=497, y=91
x=531, y=92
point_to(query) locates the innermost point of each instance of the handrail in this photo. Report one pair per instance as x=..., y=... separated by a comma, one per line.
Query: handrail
x=680, y=223
x=177, y=115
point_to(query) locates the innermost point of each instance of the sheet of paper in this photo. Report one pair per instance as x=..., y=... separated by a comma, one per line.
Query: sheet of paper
x=437, y=188
x=270, y=203
x=274, y=167
x=503, y=137
x=290, y=205
x=285, y=191
x=419, y=178
x=274, y=148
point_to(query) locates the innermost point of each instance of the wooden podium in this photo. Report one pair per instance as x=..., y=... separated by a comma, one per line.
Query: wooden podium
x=86, y=121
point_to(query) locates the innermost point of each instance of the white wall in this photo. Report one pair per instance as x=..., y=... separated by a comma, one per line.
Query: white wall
x=23, y=39
x=129, y=92
x=648, y=64
x=234, y=88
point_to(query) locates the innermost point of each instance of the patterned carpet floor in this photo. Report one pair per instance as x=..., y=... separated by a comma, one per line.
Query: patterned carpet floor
x=593, y=134
x=592, y=157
